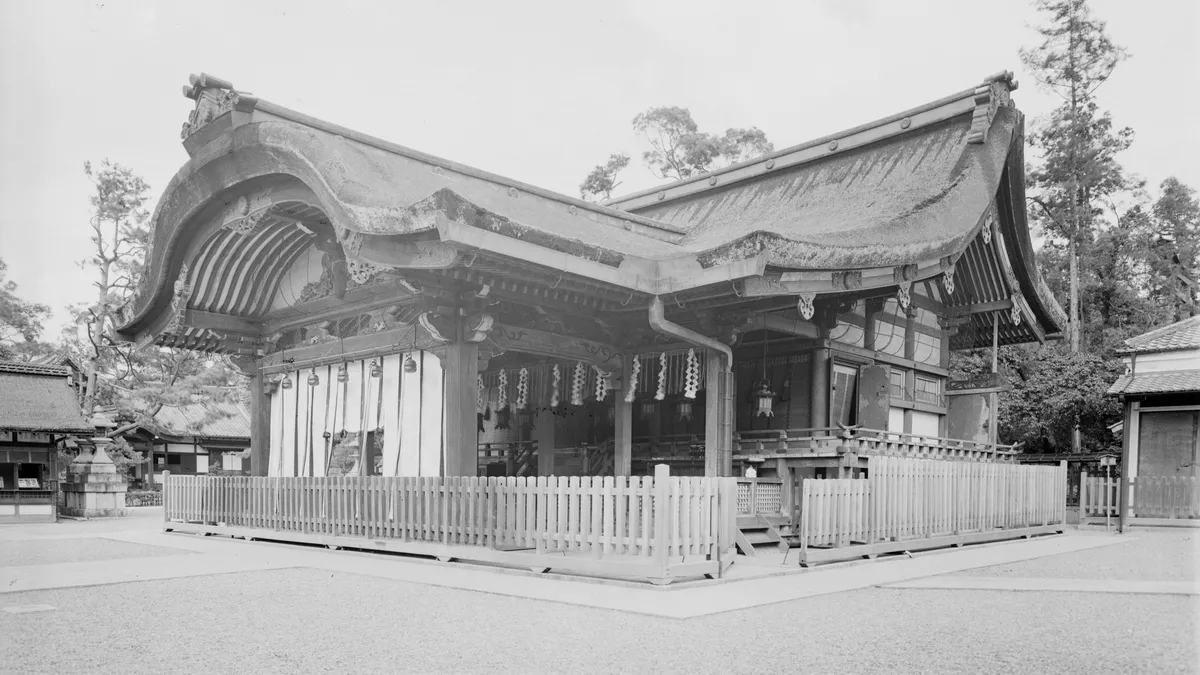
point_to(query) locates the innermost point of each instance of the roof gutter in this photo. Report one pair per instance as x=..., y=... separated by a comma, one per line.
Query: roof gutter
x=658, y=321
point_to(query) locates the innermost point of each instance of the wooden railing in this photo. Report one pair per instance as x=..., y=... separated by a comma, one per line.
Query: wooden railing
x=519, y=457
x=658, y=528
x=907, y=504
x=831, y=442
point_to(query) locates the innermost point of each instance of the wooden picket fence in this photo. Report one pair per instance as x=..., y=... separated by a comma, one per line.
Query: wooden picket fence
x=1164, y=497
x=906, y=504
x=1154, y=500
x=656, y=528
x=1098, y=497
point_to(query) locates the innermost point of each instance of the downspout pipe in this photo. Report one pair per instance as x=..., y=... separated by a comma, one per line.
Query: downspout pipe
x=658, y=321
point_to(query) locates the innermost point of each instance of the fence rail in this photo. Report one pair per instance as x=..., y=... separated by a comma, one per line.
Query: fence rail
x=658, y=528
x=906, y=504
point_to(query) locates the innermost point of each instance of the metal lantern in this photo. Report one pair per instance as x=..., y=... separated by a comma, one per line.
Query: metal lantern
x=504, y=418
x=648, y=409
x=764, y=399
x=685, y=409
x=287, y=382
x=410, y=364
x=376, y=369
x=313, y=379
x=343, y=375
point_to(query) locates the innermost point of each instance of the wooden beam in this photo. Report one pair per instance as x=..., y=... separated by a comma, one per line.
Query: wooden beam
x=391, y=341
x=545, y=343
x=222, y=323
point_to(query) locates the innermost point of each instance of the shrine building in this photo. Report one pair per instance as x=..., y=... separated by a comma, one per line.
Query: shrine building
x=404, y=315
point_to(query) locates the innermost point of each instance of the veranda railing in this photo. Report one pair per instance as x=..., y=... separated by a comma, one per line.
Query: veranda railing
x=831, y=441
x=658, y=528
x=908, y=504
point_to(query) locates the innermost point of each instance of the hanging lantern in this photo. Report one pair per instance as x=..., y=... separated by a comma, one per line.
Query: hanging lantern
x=313, y=379
x=287, y=382
x=343, y=374
x=685, y=409
x=503, y=418
x=376, y=369
x=648, y=408
x=410, y=364
x=764, y=399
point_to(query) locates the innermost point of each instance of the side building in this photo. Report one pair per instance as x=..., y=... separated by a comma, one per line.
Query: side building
x=1160, y=391
x=39, y=411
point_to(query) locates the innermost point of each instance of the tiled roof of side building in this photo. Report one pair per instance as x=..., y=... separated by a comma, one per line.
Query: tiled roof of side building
x=1179, y=335
x=1176, y=382
x=223, y=419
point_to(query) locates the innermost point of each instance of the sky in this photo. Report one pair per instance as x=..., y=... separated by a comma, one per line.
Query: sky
x=536, y=91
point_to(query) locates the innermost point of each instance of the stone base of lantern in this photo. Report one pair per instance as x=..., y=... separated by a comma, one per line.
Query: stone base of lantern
x=94, y=488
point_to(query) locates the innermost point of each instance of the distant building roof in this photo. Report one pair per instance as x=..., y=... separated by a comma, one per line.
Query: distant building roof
x=1179, y=381
x=1179, y=335
x=37, y=398
x=211, y=419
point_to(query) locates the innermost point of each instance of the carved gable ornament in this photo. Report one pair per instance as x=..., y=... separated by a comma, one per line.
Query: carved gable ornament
x=214, y=97
x=990, y=96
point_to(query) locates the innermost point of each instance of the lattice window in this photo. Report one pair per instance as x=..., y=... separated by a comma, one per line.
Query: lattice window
x=896, y=383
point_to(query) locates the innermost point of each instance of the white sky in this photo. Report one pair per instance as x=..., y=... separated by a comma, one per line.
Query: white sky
x=537, y=91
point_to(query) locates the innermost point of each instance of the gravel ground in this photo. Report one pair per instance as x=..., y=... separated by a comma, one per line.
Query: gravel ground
x=302, y=621
x=1149, y=555
x=48, y=551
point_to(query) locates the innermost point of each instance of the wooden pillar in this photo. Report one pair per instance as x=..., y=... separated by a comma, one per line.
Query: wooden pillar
x=623, y=431
x=993, y=400
x=718, y=415
x=543, y=433
x=910, y=353
x=819, y=382
x=1123, y=490
x=461, y=366
x=260, y=425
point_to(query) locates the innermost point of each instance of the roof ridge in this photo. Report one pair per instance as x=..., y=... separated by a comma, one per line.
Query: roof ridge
x=980, y=94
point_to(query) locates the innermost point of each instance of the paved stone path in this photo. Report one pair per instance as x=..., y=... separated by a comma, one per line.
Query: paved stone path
x=211, y=604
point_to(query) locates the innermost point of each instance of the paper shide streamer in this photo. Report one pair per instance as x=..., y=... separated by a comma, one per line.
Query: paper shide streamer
x=662, y=377
x=633, y=379
x=692, y=377
x=578, y=384
x=554, y=395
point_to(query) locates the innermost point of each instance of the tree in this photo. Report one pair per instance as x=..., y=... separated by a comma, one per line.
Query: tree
x=135, y=383
x=678, y=149
x=120, y=237
x=1173, y=249
x=20, y=321
x=603, y=179
x=1078, y=142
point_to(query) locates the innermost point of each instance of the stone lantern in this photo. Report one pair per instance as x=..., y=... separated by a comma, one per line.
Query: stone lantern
x=94, y=488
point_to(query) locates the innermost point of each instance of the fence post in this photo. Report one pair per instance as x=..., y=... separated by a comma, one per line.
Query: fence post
x=166, y=506
x=662, y=519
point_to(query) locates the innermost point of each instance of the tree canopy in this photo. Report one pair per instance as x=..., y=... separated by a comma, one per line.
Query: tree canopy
x=20, y=320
